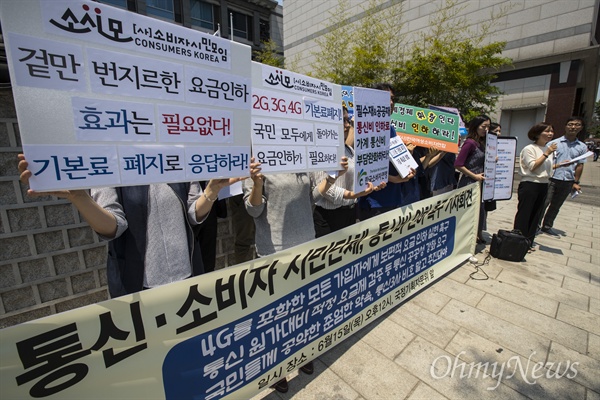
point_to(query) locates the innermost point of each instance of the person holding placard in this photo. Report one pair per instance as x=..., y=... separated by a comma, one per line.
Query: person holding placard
x=441, y=172
x=281, y=205
x=426, y=158
x=149, y=228
x=536, y=167
x=470, y=162
x=565, y=179
x=390, y=197
x=334, y=199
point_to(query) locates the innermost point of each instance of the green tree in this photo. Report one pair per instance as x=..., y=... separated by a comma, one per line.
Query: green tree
x=362, y=53
x=269, y=54
x=594, y=128
x=448, y=65
x=451, y=65
x=333, y=56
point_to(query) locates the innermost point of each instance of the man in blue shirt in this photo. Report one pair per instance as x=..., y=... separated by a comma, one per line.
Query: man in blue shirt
x=566, y=173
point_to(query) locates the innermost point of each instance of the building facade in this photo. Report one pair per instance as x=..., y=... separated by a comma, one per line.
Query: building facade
x=553, y=45
x=50, y=259
x=250, y=21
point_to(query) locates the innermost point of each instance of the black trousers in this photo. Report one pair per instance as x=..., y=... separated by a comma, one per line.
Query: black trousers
x=206, y=233
x=327, y=221
x=243, y=230
x=530, y=208
x=558, y=191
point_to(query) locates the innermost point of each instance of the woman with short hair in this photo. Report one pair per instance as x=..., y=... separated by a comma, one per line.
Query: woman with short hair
x=535, y=169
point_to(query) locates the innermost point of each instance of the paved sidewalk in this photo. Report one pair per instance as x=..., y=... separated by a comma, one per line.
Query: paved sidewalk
x=543, y=310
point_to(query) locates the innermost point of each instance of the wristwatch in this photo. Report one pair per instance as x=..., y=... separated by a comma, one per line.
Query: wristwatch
x=577, y=182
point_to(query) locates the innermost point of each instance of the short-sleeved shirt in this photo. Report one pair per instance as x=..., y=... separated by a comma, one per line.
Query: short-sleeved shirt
x=472, y=157
x=567, y=150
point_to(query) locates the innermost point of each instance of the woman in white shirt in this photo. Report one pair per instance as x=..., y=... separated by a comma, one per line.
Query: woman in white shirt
x=536, y=168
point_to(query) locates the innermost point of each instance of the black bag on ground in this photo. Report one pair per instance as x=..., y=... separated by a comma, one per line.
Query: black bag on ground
x=509, y=245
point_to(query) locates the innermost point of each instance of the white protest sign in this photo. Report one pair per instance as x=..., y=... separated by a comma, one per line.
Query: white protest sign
x=499, y=167
x=371, y=136
x=505, y=168
x=115, y=88
x=401, y=158
x=297, y=121
x=489, y=170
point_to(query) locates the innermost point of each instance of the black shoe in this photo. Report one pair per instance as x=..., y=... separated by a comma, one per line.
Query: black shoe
x=281, y=386
x=308, y=368
x=549, y=231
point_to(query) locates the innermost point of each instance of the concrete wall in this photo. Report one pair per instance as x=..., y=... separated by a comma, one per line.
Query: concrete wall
x=531, y=28
x=50, y=260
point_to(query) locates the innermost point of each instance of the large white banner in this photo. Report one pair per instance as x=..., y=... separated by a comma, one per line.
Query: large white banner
x=234, y=332
x=109, y=97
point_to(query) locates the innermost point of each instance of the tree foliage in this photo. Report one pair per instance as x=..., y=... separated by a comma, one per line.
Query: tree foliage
x=451, y=66
x=363, y=53
x=268, y=54
x=333, y=56
x=594, y=128
x=448, y=64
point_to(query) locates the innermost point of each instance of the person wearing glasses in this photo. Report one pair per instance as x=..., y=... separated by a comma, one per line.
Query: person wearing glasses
x=567, y=173
x=149, y=228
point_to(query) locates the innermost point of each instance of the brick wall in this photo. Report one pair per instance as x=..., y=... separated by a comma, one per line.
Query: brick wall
x=50, y=260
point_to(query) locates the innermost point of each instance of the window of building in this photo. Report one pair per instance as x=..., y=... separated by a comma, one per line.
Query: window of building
x=161, y=8
x=265, y=30
x=203, y=14
x=242, y=25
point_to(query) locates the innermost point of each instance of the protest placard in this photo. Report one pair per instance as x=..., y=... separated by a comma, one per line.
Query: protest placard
x=371, y=136
x=297, y=121
x=400, y=157
x=499, y=167
x=104, y=96
x=426, y=127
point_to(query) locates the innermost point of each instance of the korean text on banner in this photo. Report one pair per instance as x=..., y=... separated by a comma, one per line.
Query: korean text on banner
x=297, y=121
x=499, y=167
x=235, y=331
x=426, y=127
x=401, y=157
x=105, y=96
x=371, y=137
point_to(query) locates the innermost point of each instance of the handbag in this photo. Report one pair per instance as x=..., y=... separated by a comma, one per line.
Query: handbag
x=509, y=245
